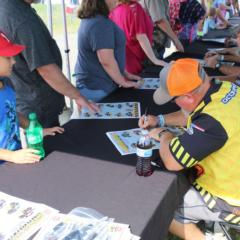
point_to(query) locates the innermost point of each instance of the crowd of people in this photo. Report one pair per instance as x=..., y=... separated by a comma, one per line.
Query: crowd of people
x=117, y=39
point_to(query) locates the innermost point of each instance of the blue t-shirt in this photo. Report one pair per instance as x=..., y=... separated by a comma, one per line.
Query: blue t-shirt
x=9, y=124
x=98, y=33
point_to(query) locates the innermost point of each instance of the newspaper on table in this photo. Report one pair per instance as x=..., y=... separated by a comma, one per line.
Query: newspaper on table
x=110, y=111
x=126, y=141
x=67, y=227
x=150, y=83
x=20, y=219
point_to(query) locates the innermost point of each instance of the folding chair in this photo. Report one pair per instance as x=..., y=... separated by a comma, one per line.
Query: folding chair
x=226, y=226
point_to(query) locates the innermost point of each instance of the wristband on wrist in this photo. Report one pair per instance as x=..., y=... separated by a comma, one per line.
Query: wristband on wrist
x=161, y=120
x=218, y=65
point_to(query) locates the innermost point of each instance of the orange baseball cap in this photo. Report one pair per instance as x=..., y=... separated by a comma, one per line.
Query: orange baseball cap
x=9, y=49
x=178, y=78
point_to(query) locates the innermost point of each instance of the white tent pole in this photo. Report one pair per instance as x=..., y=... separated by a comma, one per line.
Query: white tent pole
x=67, y=50
x=49, y=16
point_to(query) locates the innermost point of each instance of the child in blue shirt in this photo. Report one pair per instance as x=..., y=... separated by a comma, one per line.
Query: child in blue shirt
x=10, y=120
x=210, y=21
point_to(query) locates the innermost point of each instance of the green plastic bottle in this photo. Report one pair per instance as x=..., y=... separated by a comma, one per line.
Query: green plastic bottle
x=34, y=135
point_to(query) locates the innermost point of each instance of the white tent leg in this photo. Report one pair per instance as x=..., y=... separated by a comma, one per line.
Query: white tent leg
x=67, y=50
x=49, y=16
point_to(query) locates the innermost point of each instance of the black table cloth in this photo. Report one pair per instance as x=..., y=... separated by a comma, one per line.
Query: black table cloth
x=66, y=181
x=197, y=50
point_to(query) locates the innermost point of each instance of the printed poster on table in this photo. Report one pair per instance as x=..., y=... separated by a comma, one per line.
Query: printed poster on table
x=126, y=141
x=20, y=219
x=118, y=110
x=66, y=227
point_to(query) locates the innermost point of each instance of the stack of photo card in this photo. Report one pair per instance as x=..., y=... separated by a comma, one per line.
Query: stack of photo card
x=111, y=111
x=126, y=141
x=20, y=219
x=66, y=227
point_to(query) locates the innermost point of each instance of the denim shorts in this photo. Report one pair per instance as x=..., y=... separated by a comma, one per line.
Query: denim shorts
x=92, y=94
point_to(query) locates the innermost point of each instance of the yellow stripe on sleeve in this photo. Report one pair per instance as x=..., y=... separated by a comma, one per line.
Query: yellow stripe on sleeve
x=191, y=162
x=212, y=204
x=229, y=217
x=185, y=158
x=175, y=146
x=207, y=197
x=236, y=220
x=179, y=152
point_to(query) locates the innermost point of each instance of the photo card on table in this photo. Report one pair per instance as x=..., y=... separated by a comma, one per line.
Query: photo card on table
x=126, y=140
x=119, y=110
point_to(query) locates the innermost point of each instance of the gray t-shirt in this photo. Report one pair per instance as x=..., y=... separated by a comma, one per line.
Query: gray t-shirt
x=157, y=9
x=98, y=33
x=22, y=25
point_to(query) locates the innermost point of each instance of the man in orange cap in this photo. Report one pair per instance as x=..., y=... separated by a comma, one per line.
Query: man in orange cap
x=210, y=117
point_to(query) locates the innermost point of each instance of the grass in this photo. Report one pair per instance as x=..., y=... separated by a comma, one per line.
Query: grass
x=72, y=20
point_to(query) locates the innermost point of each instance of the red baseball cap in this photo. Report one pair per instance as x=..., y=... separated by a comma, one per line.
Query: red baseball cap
x=9, y=49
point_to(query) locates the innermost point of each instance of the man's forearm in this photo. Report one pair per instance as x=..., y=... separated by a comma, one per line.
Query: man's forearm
x=168, y=160
x=176, y=119
x=232, y=58
x=229, y=70
x=146, y=46
x=53, y=75
x=164, y=25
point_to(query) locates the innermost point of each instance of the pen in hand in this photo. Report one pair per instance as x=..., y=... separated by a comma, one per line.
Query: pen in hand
x=145, y=118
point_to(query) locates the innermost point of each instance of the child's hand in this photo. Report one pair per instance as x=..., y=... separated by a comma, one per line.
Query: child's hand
x=52, y=131
x=24, y=156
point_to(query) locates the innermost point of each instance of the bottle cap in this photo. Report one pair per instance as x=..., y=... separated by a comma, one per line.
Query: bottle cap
x=144, y=140
x=144, y=132
x=32, y=116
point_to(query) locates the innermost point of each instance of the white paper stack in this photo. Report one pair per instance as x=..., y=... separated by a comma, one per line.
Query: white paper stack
x=66, y=227
x=20, y=219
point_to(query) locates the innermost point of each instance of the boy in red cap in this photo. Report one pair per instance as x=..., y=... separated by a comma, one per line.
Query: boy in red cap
x=10, y=120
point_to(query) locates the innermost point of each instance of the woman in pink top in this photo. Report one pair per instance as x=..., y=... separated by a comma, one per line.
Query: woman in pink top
x=138, y=27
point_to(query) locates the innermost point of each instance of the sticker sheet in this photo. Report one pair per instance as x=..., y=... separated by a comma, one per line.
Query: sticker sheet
x=20, y=219
x=126, y=141
x=150, y=83
x=111, y=111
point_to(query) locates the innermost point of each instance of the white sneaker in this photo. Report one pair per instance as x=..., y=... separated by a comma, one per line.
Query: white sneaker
x=215, y=236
